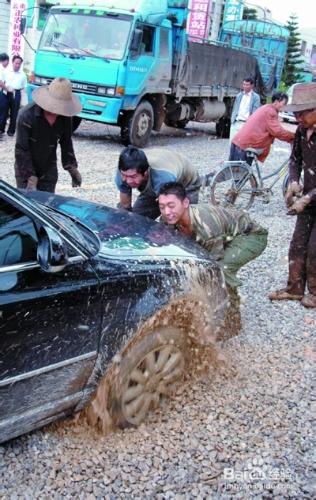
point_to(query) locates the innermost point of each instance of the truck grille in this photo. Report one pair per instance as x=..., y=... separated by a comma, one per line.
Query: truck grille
x=77, y=87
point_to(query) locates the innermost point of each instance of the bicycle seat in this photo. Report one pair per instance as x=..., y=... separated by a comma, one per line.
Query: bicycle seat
x=253, y=151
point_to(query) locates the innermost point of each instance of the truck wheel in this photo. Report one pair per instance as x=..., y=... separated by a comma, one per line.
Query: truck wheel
x=76, y=120
x=136, y=128
x=223, y=127
x=149, y=371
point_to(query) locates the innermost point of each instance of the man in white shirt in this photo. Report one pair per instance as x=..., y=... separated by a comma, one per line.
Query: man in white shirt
x=4, y=61
x=246, y=103
x=15, y=82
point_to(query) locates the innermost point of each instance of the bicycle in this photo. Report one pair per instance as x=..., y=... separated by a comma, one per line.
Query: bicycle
x=238, y=183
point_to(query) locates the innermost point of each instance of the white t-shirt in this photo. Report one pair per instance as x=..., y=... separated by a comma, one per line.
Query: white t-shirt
x=15, y=79
x=244, y=107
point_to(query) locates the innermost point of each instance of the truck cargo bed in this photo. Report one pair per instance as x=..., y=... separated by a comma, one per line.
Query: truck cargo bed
x=213, y=70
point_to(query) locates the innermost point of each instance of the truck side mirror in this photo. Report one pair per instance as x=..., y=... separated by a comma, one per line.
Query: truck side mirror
x=22, y=25
x=136, y=41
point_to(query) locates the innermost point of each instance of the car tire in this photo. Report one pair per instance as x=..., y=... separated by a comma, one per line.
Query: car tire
x=150, y=371
x=136, y=127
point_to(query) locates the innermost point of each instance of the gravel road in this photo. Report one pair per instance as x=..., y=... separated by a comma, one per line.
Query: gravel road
x=244, y=430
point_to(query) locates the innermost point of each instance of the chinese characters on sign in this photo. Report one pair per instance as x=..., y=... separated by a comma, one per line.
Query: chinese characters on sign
x=233, y=10
x=16, y=42
x=199, y=20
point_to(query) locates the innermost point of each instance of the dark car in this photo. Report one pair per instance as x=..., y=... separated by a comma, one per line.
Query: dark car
x=97, y=309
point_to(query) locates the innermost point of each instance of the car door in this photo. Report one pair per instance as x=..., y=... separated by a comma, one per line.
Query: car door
x=49, y=328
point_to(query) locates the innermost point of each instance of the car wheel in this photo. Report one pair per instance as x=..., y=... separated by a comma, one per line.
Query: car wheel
x=149, y=372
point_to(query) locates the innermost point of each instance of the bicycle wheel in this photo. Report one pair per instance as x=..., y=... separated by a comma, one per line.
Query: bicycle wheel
x=234, y=186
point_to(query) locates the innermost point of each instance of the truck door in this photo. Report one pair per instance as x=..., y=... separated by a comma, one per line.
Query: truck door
x=165, y=55
x=148, y=72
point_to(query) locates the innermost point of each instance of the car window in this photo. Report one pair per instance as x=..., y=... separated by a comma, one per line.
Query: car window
x=18, y=237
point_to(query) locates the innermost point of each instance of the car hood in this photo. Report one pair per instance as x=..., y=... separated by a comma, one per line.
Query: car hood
x=124, y=235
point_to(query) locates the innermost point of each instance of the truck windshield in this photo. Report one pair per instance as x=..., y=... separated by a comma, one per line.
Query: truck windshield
x=87, y=35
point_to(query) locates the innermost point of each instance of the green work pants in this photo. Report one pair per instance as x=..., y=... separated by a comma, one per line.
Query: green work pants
x=242, y=249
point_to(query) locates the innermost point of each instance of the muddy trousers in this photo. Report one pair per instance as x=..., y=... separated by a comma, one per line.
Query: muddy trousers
x=302, y=254
x=241, y=250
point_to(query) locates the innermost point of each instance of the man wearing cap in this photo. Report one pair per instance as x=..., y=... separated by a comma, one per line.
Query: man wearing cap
x=301, y=200
x=147, y=172
x=41, y=126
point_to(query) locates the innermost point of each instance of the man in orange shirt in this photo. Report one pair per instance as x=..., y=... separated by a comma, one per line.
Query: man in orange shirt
x=260, y=130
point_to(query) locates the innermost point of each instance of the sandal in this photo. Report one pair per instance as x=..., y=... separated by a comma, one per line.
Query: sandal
x=283, y=294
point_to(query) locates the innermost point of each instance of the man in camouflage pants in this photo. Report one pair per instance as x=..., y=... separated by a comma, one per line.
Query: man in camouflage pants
x=230, y=236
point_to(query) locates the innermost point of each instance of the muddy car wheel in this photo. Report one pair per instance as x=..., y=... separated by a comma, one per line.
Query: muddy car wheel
x=150, y=371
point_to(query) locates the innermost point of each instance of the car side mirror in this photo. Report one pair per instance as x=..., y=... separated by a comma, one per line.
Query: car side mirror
x=52, y=253
x=22, y=25
x=136, y=41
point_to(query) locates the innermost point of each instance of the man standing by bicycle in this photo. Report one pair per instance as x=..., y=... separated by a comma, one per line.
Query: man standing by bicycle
x=230, y=236
x=260, y=131
x=301, y=200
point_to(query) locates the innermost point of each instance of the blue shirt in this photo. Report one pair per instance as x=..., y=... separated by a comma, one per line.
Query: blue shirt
x=164, y=166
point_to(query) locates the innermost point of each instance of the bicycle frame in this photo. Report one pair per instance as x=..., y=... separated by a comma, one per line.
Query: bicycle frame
x=280, y=172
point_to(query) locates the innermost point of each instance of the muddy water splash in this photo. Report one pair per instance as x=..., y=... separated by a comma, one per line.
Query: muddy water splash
x=198, y=308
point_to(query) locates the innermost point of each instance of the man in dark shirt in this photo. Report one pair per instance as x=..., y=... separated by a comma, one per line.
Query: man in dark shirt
x=147, y=172
x=301, y=200
x=41, y=126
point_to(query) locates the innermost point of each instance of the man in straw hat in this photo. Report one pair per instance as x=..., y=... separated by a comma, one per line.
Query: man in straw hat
x=301, y=200
x=41, y=126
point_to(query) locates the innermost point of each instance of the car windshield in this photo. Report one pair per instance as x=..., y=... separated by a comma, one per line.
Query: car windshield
x=80, y=233
x=87, y=35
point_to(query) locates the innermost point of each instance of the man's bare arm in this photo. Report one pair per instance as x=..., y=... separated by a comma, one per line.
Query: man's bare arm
x=125, y=201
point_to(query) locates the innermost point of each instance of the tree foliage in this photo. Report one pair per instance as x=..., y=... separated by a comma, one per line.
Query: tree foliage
x=249, y=13
x=293, y=62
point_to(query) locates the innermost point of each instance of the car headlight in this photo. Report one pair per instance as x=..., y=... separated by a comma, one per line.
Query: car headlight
x=101, y=90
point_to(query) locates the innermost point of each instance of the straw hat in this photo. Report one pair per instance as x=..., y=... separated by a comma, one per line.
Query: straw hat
x=57, y=97
x=304, y=97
